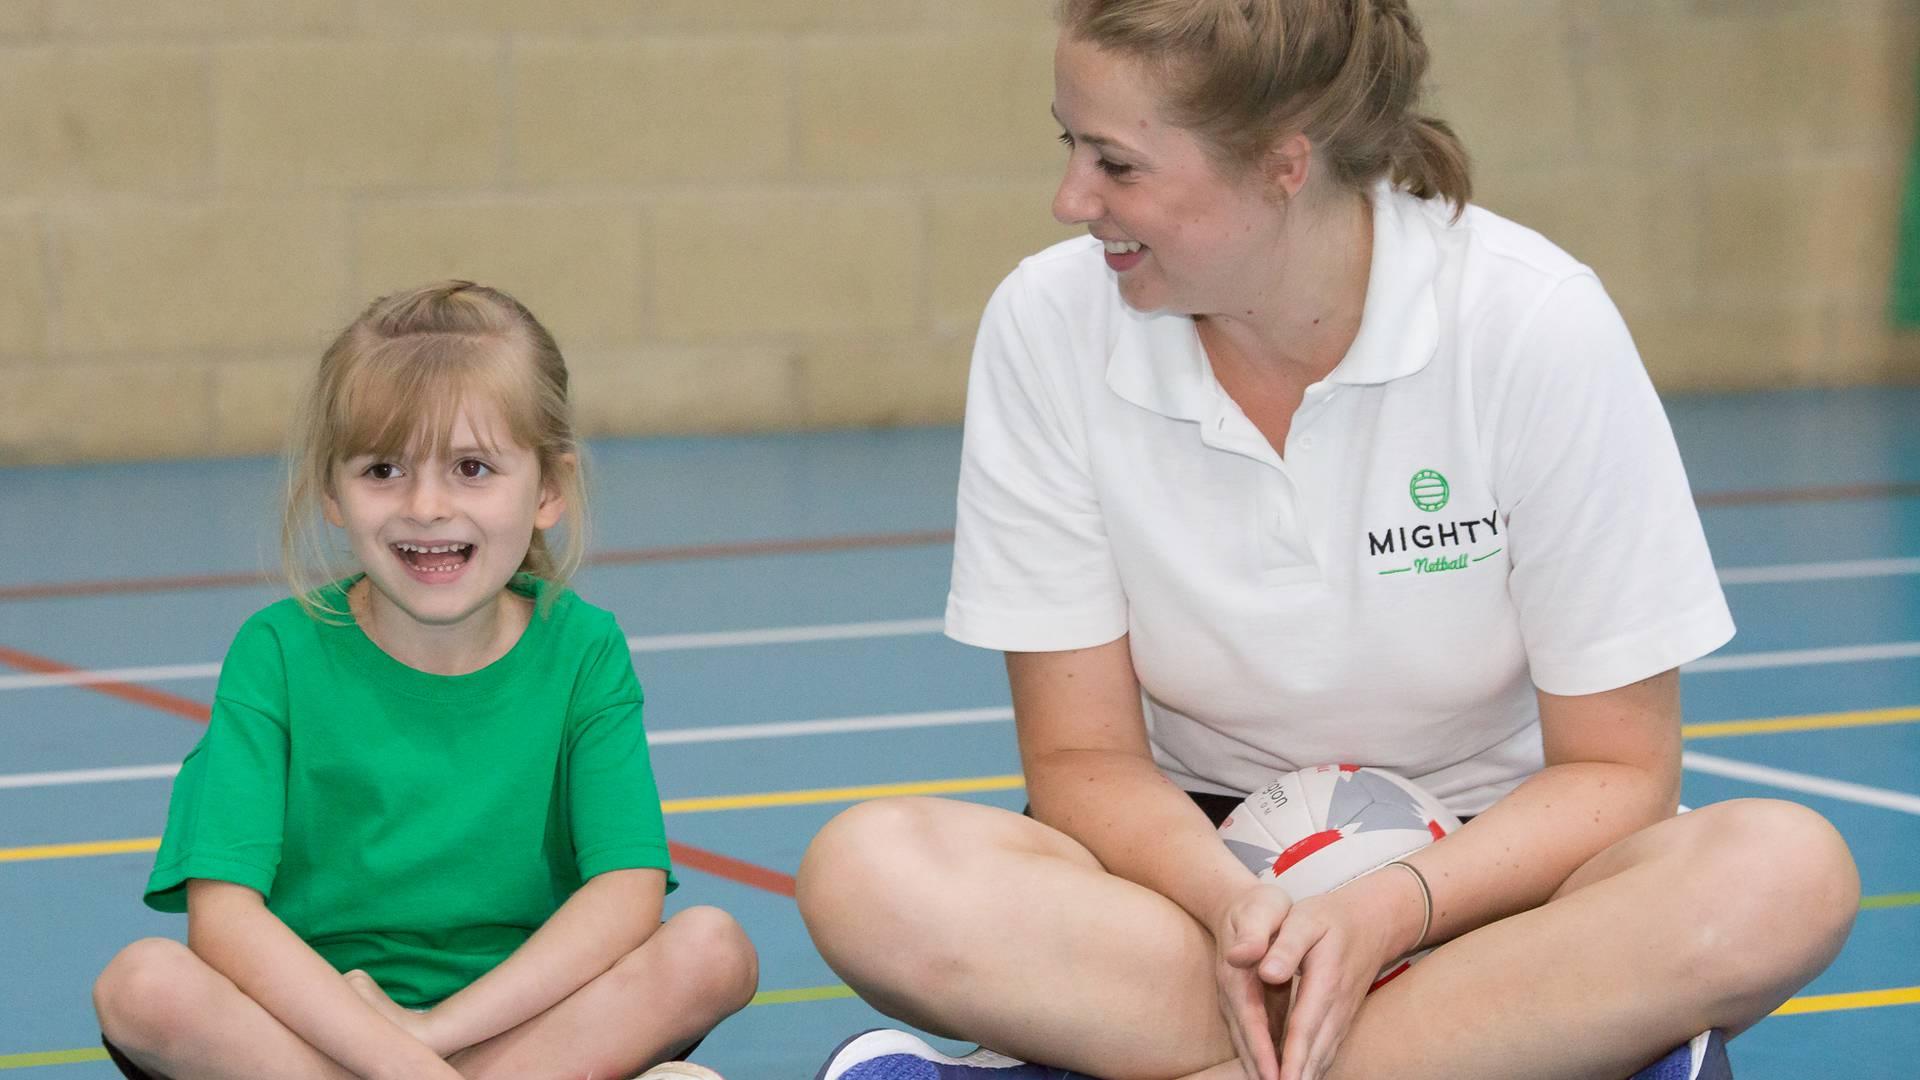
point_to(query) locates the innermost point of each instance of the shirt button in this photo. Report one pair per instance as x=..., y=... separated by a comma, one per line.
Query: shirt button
x=1306, y=442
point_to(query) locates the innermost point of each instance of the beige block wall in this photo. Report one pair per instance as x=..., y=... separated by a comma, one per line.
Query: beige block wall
x=777, y=214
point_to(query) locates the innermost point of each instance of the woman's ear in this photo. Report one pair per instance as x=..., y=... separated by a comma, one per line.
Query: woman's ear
x=1288, y=165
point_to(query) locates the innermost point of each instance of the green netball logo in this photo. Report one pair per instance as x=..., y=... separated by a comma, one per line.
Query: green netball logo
x=1429, y=490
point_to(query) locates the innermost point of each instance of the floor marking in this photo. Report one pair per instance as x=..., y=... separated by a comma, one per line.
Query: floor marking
x=628, y=557
x=1802, y=782
x=1890, y=900
x=1842, y=654
x=1828, y=571
x=1828, y=493
x=1860, y=999
x=1811, y=722
x=967, y=785
x=51, y=1057
x=886, y=722
x=186, y=708
x=732, y=869
x=785, y=635
x=47, y=673
x=989, y=715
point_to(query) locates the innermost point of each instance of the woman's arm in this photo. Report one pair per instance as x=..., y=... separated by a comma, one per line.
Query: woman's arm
x=1090, y=774
x=1612, y=768
x=230, y=928
x=607, y=918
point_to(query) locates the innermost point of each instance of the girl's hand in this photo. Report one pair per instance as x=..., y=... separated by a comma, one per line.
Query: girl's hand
x=1243, y=937
x=416, y=1024
x=1337, y=943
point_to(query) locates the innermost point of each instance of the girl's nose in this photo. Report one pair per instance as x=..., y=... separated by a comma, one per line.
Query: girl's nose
x=427, y=500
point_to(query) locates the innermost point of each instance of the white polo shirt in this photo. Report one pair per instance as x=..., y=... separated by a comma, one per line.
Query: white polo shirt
x=1482, y=498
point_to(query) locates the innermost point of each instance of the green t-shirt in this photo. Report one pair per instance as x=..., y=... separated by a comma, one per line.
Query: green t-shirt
x=418, y=826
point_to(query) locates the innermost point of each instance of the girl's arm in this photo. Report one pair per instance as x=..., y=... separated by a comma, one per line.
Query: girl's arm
x=230, y=928
x=607, y=918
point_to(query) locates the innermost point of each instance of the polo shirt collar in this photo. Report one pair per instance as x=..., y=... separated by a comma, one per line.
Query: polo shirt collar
x=1158, y=363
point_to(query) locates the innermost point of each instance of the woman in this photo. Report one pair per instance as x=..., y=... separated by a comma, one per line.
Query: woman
x=1300, y=459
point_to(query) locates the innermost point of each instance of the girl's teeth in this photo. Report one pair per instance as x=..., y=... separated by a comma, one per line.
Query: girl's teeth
x=1121, y=247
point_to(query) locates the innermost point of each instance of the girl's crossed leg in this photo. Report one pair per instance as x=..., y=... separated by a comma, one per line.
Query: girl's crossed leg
x=979, y=923
x=176, y=1017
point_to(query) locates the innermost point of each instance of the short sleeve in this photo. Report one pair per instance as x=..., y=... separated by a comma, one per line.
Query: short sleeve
x=613, y=801
x=1611, y=573
x=1032, y=565
x=227, y=814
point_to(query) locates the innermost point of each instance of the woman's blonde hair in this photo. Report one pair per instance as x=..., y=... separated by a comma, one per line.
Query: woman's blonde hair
x=1242, y=74
x=392, y=385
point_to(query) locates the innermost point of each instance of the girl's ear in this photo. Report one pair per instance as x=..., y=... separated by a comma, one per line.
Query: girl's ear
x=553, y=504
x=331, y=506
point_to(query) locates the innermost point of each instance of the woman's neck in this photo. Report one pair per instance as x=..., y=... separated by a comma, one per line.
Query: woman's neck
x=1297, y=320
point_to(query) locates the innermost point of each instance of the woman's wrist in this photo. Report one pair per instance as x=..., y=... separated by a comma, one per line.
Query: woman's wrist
x=1397, y=902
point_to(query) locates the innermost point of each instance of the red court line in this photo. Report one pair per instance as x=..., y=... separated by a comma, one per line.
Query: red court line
x=1834, y=493
x=710, y=862
x=628, y=557
x=140, y=695
x=732, y=869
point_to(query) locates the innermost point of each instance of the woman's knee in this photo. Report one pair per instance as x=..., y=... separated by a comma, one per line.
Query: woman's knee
x=870, y=852
x=143, y=993
x=1780, y=892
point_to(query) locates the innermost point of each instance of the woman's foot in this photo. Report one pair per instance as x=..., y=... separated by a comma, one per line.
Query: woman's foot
x=884, y=1054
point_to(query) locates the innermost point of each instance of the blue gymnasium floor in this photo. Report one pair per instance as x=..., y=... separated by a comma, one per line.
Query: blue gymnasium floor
x=1811, y=501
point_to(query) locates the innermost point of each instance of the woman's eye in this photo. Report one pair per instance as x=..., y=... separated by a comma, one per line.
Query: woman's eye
x=472, y=469
x=1066, y=140
x=1113, y=168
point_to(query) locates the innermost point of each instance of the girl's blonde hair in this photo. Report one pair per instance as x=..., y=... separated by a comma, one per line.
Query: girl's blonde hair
x=1241, y=74
x=392, y=385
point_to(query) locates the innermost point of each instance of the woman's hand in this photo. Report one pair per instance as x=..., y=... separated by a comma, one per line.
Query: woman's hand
x=1242, y=938
x=1337, y=944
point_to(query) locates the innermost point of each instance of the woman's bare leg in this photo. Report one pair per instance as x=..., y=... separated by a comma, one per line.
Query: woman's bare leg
x=692, y=973
x=980, y=924
x=174, y=1016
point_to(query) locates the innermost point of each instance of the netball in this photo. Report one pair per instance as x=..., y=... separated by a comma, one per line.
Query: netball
x=1313, y=830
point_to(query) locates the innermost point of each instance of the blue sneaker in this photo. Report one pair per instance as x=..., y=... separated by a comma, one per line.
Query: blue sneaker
x=1704, y=1058
x=883, y=1054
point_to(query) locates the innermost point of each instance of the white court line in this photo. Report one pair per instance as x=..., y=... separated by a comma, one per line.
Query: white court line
x=779, y=635
x=1839, y=654
x=665, y=737
x=1830, y=571
x=787, y=635
x=1802, y=782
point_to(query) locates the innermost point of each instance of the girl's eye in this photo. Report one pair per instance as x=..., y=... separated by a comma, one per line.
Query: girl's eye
x=472, y=469
x=382, y=470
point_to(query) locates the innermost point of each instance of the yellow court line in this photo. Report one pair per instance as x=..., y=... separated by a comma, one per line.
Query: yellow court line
x=843, y=794
x=1859, y=999
x=75, y=851
x=1809, y=722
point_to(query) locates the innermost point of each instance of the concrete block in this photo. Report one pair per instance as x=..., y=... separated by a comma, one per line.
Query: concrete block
x=662, y=390
x=201, y=19
x=777, y=264
x=102, y=412
x=955, y=105
x=103, y=117
x=625, y=113
x=359, y=115
x=226, y=278
x=24, y=299
x=976, y=236
x=578, y=267
x=884, y=382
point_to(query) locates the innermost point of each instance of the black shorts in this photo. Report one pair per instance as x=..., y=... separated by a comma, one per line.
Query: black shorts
x=1217, y=807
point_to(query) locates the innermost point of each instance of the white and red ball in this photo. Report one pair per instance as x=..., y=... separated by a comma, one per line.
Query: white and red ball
x=1313, y=830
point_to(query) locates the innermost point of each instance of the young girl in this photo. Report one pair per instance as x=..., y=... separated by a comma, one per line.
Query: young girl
x=421, y=836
